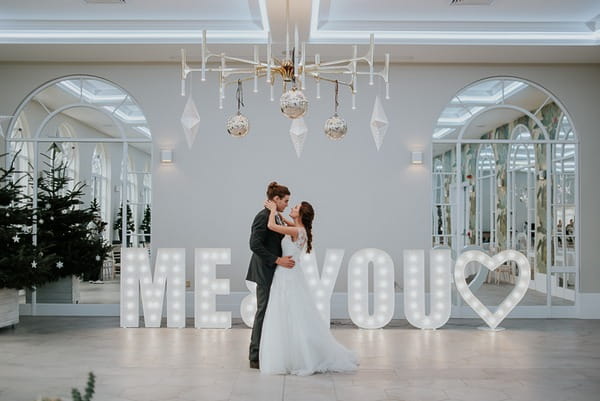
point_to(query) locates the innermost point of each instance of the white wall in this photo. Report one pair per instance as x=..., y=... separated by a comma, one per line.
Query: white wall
x=363, y=198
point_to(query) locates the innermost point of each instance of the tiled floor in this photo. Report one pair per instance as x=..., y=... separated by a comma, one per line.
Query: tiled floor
x=546, y=360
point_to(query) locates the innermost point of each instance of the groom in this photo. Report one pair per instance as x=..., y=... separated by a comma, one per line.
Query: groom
x=266, y=255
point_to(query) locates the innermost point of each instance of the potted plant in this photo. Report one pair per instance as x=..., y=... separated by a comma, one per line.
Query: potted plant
x=62, y=230
x=22, y=264
x=146, y=223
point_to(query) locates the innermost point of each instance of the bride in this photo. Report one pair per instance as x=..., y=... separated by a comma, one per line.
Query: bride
x=295, y=339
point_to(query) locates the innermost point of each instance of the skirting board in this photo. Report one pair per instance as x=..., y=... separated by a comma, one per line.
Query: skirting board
x=587, y=308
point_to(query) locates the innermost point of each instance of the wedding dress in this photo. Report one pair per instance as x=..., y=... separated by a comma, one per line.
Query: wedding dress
x=295, y=339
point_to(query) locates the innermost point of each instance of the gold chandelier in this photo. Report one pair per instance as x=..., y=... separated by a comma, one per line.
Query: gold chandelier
x=292, y=70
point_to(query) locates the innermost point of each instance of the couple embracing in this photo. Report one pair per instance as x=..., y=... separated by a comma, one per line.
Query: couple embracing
x=289, y=336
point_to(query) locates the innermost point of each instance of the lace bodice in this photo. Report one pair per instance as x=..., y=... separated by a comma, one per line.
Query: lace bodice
x=294, y=248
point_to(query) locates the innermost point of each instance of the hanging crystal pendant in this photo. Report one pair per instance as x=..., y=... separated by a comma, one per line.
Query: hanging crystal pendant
x=335, y=126
x=238, y=125
x=293, y=103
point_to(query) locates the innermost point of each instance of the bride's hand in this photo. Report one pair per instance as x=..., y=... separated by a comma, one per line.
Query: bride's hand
x=270, y=205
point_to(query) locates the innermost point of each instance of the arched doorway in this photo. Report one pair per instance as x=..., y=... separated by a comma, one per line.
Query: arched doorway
x=508, y=152
x=98, y=129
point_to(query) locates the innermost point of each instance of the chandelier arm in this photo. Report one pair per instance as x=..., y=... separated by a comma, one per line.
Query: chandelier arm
x=329, y=70
x=336, y=62
x=230, y=71
x=321, y=78
x=260, y=67
x=241, y=60
x=232, y=82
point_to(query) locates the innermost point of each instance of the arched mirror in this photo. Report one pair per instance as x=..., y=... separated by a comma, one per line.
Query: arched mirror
x=485, y=187
x=504, y=174
x=99, y=133
x=521, y=201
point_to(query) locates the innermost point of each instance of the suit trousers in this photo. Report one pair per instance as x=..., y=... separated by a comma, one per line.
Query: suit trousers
x=262, y=300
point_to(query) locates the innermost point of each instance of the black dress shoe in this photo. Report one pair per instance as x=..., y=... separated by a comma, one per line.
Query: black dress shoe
x=254, y=365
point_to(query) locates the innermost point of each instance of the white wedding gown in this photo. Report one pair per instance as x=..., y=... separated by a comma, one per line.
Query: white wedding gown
x=295, y=339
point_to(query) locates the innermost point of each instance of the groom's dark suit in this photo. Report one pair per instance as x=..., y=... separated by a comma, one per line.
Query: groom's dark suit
x=266, y=248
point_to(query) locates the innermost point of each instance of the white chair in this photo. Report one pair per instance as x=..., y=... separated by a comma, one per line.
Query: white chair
x=116, y=260
x=107, y=269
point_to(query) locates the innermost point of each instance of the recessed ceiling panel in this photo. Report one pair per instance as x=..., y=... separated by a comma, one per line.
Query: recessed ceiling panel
x=441, y=10
x=131, y=10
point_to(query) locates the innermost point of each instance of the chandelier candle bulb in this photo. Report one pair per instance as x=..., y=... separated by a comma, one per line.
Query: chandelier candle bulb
x=371, y=54
x=184, y=72
x=223, y=75
x=256, y=64
x=296, y=50
x=355, y=56
x=203, y=76
x=303, y=63
x=318, y=96
x=386, y=78
x=269, y=59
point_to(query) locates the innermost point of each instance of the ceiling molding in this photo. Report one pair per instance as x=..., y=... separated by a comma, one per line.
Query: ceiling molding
x=131, y=31
x=512, y=33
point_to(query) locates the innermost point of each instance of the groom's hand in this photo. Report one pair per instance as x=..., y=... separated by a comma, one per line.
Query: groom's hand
x=285, y=261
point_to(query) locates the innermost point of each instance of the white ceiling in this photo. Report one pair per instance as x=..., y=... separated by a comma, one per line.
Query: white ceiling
x=432, y=31
x=232, y=10
x=439, y=10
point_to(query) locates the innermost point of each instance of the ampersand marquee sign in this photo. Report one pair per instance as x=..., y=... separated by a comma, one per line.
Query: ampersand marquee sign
x=169, y=276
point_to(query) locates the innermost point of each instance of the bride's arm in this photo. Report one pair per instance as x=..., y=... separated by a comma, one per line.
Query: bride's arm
x=273, y=226
x=289, y=223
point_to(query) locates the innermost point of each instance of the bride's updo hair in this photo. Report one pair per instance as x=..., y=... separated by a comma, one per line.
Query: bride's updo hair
x=274, y=189
x=307, y=215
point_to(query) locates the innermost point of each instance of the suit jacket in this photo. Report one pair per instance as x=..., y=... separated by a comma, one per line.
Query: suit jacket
x=266, y=248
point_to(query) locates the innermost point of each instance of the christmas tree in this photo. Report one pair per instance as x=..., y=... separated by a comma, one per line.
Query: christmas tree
x=118, y=226
x=22, y=265
x=146, y=223
x=63, y=224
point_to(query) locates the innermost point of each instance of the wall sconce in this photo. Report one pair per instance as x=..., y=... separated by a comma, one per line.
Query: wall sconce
x=166, y=156
x=416, y=158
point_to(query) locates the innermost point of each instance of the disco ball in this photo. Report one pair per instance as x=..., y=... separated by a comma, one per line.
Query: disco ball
x=335, y=127
x=238, y=125
x=293, y=103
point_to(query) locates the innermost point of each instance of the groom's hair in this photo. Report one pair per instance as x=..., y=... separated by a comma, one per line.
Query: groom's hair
x=274, y=189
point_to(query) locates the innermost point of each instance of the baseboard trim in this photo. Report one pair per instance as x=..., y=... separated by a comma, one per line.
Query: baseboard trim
x=587, y=308
x=587, y=305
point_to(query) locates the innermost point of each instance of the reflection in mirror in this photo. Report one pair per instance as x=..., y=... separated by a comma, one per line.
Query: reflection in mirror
x=562, y=289
x=516, y=190
x=444, y=176
x=485, y=187
x=96, y=129
x=484, y=94
x=563, y=198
